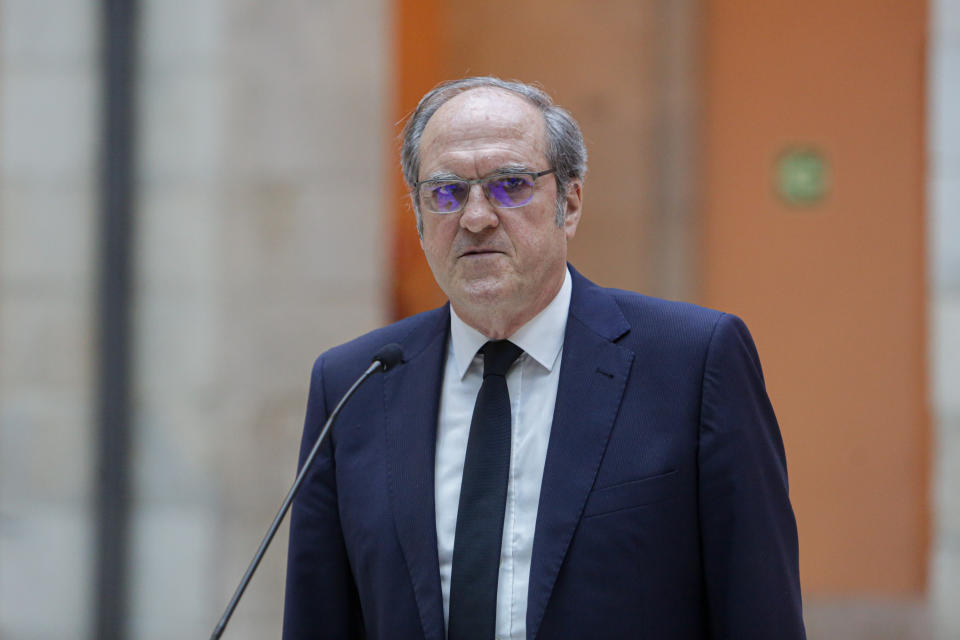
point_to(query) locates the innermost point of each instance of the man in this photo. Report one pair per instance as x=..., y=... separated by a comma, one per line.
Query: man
x=551, y=459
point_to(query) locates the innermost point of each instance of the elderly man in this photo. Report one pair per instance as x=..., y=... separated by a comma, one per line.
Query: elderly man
x=551, y=459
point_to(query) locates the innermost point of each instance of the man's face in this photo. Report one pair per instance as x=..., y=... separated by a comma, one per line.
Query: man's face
x=494, y=263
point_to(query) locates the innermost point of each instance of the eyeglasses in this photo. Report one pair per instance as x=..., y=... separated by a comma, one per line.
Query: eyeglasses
x=506, y=190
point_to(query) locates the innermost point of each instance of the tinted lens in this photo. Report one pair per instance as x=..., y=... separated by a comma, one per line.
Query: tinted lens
x=443, y=197
x=510, y=190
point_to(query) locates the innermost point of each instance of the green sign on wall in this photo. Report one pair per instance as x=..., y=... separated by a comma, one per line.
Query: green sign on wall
x=801, y=176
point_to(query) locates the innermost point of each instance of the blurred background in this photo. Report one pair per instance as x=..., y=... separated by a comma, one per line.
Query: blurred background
x=197, y=197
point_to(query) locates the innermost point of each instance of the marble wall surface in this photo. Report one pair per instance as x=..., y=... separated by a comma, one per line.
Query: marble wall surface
x=262, y=146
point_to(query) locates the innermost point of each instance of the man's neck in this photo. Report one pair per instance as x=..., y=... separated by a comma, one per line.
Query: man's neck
x=493, y=325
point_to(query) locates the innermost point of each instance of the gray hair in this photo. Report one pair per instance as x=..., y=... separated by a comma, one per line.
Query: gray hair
x=566, y=151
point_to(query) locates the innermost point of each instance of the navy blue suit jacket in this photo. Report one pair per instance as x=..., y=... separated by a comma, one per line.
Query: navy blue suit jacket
x=664, y=511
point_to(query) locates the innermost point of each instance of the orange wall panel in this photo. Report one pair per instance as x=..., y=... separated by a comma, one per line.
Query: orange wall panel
x=833, y=292
x=622, y=68
x=419, y=48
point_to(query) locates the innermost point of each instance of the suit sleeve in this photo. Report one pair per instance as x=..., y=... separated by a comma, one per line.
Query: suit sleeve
x=748, y=531
x=321, y=598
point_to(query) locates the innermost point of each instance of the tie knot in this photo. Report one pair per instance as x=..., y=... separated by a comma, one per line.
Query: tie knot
x=498, y=355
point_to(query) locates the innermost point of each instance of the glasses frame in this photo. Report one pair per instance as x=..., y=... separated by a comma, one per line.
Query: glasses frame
x=483, y=182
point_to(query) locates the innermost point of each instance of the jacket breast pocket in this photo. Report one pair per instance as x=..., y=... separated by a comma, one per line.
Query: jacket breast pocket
x=635, y=493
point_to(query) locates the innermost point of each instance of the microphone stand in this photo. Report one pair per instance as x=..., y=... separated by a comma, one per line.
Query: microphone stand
x=386, y=358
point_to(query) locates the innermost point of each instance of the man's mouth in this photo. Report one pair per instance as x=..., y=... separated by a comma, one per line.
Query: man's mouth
x=479, y=252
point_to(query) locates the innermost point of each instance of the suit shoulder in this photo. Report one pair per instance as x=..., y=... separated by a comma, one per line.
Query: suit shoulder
x=352, y=357
x=641, y=321
x=678, y=329
x=673, y=332
x=643, y=311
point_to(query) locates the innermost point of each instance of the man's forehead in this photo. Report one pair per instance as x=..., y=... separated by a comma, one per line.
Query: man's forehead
x=480, y=116
x=485, y=107
x=482, y=97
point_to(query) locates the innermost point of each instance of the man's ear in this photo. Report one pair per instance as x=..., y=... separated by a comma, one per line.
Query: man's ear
x=574, y=208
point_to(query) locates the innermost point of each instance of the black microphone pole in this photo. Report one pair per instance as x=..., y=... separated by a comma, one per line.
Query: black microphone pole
x=388, y=356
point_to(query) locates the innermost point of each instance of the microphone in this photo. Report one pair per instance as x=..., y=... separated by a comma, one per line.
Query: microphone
x=389, y=356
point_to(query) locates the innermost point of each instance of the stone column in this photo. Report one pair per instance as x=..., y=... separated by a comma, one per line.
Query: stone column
x=260, y=236
x=48, y=162
x=944, y=287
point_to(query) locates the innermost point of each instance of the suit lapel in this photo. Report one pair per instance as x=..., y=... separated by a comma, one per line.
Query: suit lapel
x=593, y=375
x=411, y=399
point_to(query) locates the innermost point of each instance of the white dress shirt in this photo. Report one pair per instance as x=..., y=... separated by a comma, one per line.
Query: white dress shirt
x=532, y=383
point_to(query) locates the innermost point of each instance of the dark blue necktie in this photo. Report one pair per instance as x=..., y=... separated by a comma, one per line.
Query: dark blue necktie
x=483, y=498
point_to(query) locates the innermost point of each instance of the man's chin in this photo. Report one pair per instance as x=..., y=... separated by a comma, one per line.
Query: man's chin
x=490, y=289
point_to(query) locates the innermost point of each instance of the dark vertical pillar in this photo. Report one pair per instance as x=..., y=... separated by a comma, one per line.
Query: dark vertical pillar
x=117, y=175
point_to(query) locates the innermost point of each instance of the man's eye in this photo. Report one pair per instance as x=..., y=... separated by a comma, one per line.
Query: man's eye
x=448, y=196
x=512, y=183
x=453, y=189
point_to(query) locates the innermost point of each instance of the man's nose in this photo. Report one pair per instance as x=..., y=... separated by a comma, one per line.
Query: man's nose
x=478, y=214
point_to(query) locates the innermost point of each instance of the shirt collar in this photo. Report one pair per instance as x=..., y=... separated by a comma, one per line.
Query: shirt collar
x=541, y=338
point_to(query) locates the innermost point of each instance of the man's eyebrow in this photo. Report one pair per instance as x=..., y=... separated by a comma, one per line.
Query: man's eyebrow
x=513, y=168
x=507, y=168
x=442, y=176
